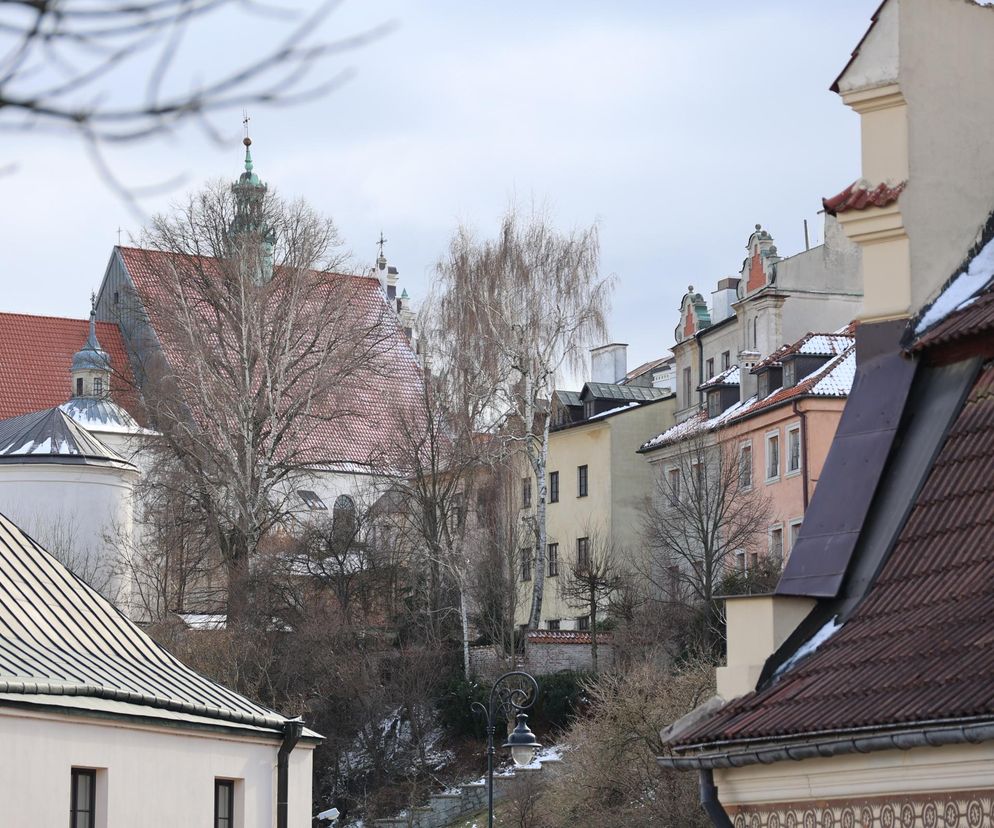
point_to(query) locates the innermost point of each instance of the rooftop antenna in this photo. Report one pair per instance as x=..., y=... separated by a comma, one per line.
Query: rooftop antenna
x=807, y=244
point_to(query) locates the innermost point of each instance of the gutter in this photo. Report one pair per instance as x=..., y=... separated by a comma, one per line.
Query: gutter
x=954, y=734
x=291, y=735
x=710, y=802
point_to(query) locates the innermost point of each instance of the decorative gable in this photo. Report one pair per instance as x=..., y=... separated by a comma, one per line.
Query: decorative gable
x=759, y=268
x=694, y=315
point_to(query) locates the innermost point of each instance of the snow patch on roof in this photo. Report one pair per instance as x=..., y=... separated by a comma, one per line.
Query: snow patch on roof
x=613, y=411
x=730, y=376
x=838, y=381
x=961, y=290
x=812, y=644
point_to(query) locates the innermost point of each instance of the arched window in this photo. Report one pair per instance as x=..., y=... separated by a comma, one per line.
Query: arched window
x=344, y=520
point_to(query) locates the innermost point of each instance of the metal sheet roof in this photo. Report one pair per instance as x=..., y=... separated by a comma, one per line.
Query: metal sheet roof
x=53, y=436
x=59, y=638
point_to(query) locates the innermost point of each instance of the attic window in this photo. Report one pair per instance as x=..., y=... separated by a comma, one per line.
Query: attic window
x=714, y=404
x=588, y=409
x=311, y=500
x=789, y=374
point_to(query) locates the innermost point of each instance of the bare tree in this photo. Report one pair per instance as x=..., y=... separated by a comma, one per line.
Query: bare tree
x=523, y=308
x=266, y=347
x=590, y=582
x=703, y=515
x=73, y=66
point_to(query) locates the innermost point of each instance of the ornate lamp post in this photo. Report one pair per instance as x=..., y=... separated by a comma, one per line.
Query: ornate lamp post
x=504, y=701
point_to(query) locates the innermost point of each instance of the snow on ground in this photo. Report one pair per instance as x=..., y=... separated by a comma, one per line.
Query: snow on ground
x=961, y=290
x=812, y=644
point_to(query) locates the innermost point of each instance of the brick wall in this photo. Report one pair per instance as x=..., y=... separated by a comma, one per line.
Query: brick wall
x=546, y=651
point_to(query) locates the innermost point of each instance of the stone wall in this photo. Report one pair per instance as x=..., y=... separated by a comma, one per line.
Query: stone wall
x=546, y=651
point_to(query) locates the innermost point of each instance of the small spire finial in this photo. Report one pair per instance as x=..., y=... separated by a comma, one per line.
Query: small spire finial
x=381, y=242
x=247, y=141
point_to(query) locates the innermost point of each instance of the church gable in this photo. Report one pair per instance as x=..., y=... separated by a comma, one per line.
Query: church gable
x=759, y=268
x=694, y=315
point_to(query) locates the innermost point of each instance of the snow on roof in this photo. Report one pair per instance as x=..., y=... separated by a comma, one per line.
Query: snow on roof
x=52, y=434
x=730, y=376
x=961, y=289
x=833, y=379
x=102, y=414
x=613, y=411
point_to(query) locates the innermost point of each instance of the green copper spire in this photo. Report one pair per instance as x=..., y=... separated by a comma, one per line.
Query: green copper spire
x=249, y=221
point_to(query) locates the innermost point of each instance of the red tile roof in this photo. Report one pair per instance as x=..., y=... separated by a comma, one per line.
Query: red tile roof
x=35, y=355
x=918, y=647
x=975, y=319
x=365, y=435
x=861, y=194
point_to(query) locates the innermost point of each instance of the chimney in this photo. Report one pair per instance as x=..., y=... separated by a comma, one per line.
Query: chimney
x=722, y=299
x=920, y=82
x=609, y=363
x=748, y=381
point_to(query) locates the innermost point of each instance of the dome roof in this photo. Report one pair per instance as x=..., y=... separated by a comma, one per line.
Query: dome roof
x=52, y=436
x=101, y=414
x=91, y=357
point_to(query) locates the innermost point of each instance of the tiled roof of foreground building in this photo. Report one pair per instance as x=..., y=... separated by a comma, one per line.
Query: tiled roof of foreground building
x=918, y=648
x=35, y=355
x=362, y=430
x=61, y=642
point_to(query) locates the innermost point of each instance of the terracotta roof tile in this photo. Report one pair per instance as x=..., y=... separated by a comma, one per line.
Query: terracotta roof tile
x=918, y=648
x=367, y=434
x=861, y=194
x=35, y=355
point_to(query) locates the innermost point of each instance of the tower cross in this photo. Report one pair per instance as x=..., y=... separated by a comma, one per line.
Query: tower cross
x=381, y=242
x=245, y=121
x=118, y=236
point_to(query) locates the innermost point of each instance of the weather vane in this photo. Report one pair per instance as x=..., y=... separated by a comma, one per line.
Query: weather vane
x=245, y=121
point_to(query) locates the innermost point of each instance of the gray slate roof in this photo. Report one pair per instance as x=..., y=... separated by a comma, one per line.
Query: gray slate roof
x=626, y=393
x=58, y=637
x=51, y=435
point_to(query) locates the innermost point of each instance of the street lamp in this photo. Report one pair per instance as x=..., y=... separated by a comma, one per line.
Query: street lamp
x=504, y=701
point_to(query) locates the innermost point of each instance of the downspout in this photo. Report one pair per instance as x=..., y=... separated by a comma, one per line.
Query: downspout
x=292, y=730
x=709, y=800
x=802, y=416
x=700, y=368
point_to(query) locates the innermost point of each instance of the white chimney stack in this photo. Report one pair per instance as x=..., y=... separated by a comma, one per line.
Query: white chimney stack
x=609, y=363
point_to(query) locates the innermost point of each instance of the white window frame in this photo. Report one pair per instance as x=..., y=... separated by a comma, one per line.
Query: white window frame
x=747, y=444
x=794, y=527
x=766, y=456
x=674, y=496
x=775, y=527
x=741, y=561
x=794, y=428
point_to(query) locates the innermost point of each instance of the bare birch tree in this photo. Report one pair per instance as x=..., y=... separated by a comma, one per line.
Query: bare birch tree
x=265, y=348
x=524, y=308
x=703, y=513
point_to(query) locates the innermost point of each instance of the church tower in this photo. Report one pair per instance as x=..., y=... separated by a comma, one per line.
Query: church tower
x=250, y=222
x=90, y=370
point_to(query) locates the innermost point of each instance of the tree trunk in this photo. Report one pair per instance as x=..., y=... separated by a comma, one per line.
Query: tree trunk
x=237, y=570
x=593, y=630
x=464, y=621
x=539, y=464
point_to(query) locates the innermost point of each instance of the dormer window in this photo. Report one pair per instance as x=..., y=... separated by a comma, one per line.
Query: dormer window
x=714, y=404
x=789, y=374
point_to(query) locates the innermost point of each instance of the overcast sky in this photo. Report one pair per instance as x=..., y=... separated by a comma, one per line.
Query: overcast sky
x=676, y=126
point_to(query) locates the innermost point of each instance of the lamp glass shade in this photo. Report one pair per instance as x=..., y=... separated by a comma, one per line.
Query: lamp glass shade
x=522, y=755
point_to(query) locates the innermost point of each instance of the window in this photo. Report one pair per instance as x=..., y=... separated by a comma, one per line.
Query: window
x=714, y=404
x=789, y=374
x=710, y=367
x=526, y=492
x=589, y=409
x=224, y=803
x=583, y=623
x=553, y=487
x=552, y=624
x=726, y=360
x=794, y=449
x=773, y=456
x=553, y=556
x=741, y=564
x=776, y=543
x=686, y=386
x=581, y=481
x=795, y=530
x=98, y=386
x=755, y=332
x=117, y=297
x=344, y=520
x=583, y=553
x=79, y=386
x=82, y=798
x=673, y=485
x=745, y=466
x=526, y=563
x=312, y=500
